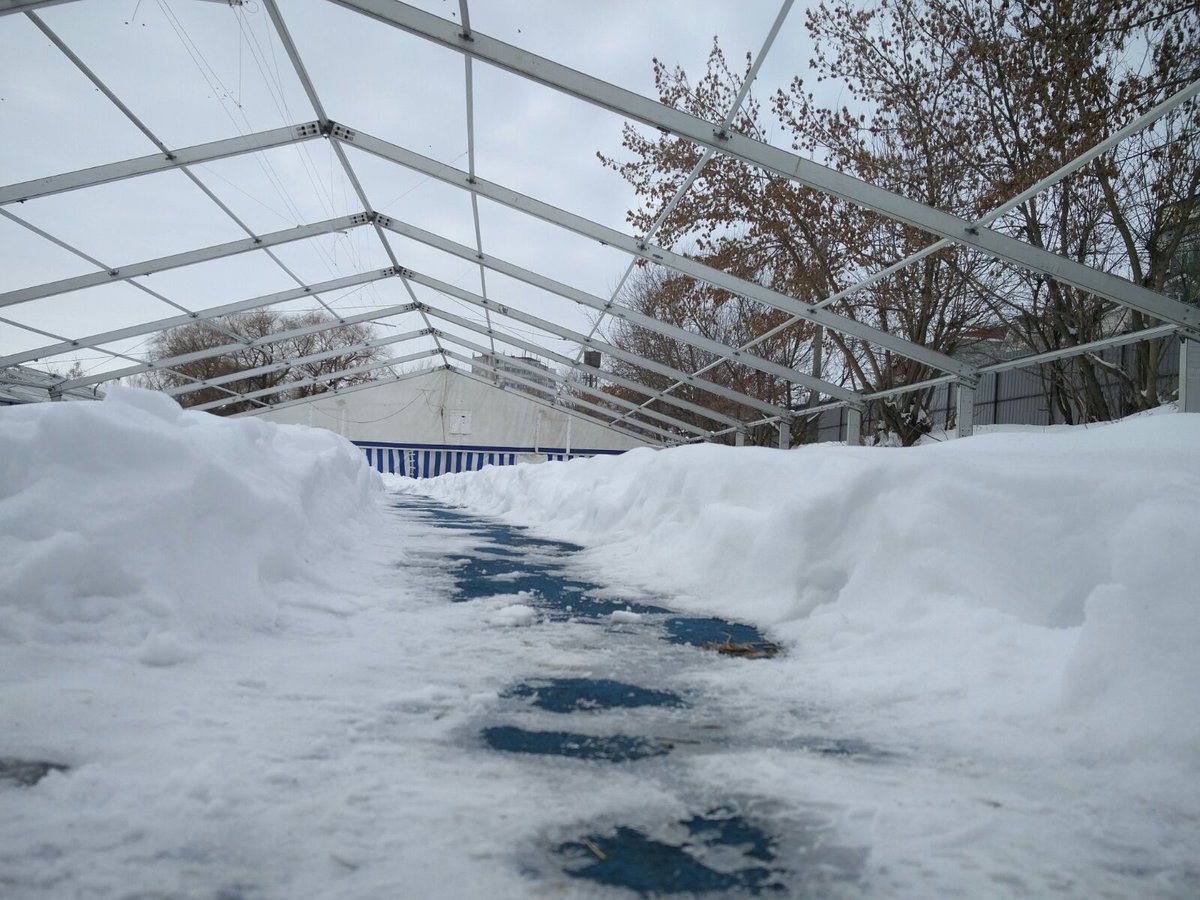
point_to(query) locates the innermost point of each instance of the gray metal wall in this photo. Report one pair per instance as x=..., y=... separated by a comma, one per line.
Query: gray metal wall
x=1014, y=397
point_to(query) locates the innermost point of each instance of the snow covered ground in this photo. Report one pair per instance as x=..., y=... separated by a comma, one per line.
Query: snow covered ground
x=247, y=659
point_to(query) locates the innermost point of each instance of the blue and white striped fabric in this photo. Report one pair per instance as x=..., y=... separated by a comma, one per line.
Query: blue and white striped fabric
x=431, y=460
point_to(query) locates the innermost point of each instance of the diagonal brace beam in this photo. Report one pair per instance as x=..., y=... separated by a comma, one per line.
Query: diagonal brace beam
x=317, y=379
x=563, y=382
x=298, y=361
x=616, y=310
x=203, y=315
x=584, y=340
x=776, y=160
x=531, y=347
x=649, y=252
x=577, y=403
x=179, y=260
x=578, y=413
x=157, y=162
x=207, y=353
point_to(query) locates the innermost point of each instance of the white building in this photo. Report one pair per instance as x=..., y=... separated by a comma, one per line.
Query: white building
x=444, y=421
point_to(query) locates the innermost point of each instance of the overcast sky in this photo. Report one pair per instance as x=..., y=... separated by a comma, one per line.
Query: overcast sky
x=197, y=71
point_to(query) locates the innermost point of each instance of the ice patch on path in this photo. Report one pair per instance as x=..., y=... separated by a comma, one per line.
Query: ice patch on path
x=132, y=522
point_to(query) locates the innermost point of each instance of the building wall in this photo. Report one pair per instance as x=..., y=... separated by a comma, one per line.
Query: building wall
x=1012, y=397
x=446, y=410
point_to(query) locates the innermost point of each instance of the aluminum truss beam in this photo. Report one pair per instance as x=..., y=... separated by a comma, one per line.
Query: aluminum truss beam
x=129, y=114
x=208, y=353
x=1141, y=122
x=706, y=157
x=310, y=89
x=614, y=309
x=298, y=361
x=332, y=392
x=8, y=7
x=94, y=341
x=560, y=380
x=469, y=83
x=568, y=334
x=317, y=379
x=398, y=361
x=550, y=404
x=158, y=162
x=773, y=159
x=178, y=260
x=577, y=403
x=531, y=347
x=649, y=252
x=1037, y=359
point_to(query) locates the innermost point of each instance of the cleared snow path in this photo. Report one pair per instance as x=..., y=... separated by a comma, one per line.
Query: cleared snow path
x=470, y=713
x=621, y=700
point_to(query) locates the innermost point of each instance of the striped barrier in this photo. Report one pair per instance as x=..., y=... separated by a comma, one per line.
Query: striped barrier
x=432, y=460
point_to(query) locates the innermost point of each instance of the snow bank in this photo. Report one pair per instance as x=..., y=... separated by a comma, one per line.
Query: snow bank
x=1003, y=579
x=135, y=523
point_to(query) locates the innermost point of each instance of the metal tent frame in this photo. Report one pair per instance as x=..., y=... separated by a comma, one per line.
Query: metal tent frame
x=654, y=425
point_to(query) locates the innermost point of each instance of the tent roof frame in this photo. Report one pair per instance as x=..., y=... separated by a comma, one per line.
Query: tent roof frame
x=1176, y=317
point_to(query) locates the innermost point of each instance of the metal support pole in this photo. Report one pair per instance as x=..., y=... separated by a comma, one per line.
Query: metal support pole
x=785, y=435
x=1189, y=376
x=853, y=426
x=739, y=438
x=965, y=410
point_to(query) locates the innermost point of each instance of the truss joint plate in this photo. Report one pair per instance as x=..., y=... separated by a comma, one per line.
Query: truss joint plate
x=341, y=133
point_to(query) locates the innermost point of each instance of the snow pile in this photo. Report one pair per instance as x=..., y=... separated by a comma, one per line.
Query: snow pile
x=1041, y=581
x=132, y=522
x=515, y=615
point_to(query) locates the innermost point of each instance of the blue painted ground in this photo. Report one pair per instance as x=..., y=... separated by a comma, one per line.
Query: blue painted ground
x=726, y=850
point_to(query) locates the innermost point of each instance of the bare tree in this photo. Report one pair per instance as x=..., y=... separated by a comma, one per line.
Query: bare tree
x=959, y=104
x=809, y=245
x=257, y=350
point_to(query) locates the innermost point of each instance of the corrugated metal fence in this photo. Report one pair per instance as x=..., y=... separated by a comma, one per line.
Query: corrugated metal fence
x=1012, y=397
x=431, y=460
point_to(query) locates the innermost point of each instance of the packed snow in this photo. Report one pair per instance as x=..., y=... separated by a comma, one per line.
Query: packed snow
x=1033, y=583
x=250, y=665
x=130, y=523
